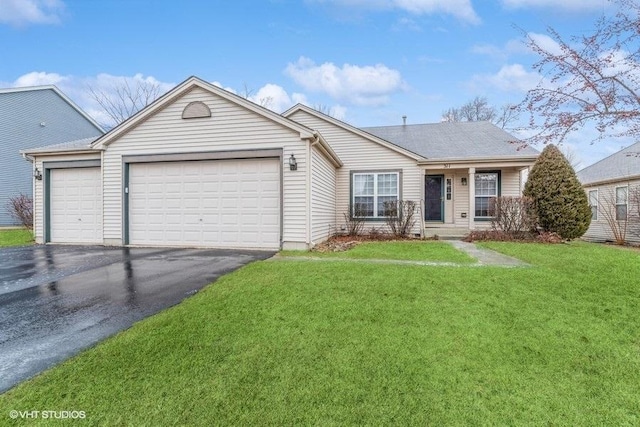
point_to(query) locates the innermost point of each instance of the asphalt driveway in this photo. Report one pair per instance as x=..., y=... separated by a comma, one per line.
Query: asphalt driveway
x=58, y=300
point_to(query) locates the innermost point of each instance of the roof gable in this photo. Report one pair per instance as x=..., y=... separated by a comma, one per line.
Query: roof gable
x=187, y=86
x=622, y=165
x=360, y=132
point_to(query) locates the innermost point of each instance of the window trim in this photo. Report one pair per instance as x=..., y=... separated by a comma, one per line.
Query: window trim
x=375, y=172
x=594, y=214
x=498, y=172
x=625, y=204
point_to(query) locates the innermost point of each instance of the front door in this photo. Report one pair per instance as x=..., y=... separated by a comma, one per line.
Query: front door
x=433, y=199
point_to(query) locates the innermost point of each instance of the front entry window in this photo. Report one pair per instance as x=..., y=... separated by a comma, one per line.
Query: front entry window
x=486, y=184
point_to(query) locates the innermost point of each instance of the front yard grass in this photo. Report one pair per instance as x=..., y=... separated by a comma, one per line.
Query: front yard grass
x=293, y=342
x=15, y=237
x=422, y=250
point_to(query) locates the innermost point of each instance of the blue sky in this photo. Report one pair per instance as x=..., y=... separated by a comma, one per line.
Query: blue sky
x=369, y=61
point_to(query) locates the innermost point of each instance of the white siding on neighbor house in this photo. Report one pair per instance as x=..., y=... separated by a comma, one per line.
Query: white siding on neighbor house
x=323, y=197
x=38, y=193
x=231, y=127
x=600, y=229
x=360, y=154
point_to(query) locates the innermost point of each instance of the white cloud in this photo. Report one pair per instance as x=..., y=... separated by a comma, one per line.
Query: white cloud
x=39, y=78
x=368, y=85
x=24, y=12
x=510, y=78
x=273, y=97
x=546, y=43
x=569, y=5
x=461, y=9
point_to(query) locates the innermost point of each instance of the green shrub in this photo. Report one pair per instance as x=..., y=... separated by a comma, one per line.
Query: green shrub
x=560, y=202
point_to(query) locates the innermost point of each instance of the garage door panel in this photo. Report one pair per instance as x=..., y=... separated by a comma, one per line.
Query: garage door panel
x=75, y=214
x=234, y=203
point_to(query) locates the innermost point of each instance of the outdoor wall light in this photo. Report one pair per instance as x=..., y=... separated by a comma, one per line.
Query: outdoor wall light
x=293, y=164
x=37, y=174
x=463, y=181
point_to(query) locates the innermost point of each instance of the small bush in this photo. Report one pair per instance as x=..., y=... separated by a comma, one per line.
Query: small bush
x=400, y=216
x=355, y=221
x=21, y=208
x=514, y=215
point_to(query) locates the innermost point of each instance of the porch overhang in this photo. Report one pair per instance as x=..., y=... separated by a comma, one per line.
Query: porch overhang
x=521, y=162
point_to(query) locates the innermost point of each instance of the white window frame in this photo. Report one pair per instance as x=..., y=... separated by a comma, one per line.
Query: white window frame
x=376, y=215
x=485, y=196
x=594, y=212
x=625, y=204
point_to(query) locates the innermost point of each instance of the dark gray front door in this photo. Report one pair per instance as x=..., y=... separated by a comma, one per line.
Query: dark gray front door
x=434, y=200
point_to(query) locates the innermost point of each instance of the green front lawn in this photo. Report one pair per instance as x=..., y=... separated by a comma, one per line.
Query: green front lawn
x=15, y=237
x=429, y=250
x=299, y=343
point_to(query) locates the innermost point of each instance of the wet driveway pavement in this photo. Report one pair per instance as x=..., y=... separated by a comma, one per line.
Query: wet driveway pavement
x=58, y=300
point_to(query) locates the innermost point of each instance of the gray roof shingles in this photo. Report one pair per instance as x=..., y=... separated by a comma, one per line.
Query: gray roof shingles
x=618, y=166
x=454, y=140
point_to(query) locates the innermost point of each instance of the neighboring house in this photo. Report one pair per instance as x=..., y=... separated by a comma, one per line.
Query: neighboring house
x=32, y=117
x=613, y=188
x=204, y=167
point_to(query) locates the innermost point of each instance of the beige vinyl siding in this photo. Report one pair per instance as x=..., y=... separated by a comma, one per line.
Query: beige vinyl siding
x=360, y=154
x=38, y=190
x=230, y=128
x=323, y=197
x=600, y=229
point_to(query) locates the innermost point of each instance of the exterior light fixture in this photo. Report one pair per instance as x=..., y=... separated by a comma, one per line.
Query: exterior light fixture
x=463, y=181
x=293, y=164
x=37, y=174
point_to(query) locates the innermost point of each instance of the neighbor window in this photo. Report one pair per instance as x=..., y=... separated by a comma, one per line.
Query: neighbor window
x=593, y=204
x=486, y=192
x=621, y=203
x=370, y=192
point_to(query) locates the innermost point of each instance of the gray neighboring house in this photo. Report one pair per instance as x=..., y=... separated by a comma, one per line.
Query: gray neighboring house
x=613, y=188
x=33, y=117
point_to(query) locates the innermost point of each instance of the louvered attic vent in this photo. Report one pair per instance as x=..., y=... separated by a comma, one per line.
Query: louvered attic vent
x=196, y=110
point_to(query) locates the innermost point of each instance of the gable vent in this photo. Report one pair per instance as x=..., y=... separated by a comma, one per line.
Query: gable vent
x=195, y=110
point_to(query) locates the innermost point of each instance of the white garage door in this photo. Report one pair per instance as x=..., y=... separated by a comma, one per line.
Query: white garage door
x=75, y=205
x=211, y=203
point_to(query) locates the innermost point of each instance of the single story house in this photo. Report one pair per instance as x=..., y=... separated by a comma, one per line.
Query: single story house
x=613, y=188
x=32, y=117
x=204, y=167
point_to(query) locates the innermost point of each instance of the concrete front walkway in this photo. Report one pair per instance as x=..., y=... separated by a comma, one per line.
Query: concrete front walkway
x=487, y=256
x=484, y=258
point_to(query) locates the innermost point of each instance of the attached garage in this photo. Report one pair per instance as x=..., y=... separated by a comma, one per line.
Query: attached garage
x=75, y=204
x=232, y=203
x=199, y=167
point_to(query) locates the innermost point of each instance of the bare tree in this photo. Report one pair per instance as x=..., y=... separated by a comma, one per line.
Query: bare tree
x=479, y=109
x=324, y=109
x=589, y=79
x=124, y=99
x=249, y=94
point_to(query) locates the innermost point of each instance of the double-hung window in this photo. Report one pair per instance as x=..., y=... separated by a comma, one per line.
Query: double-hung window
x=370, y=192
x=593, y=204
x=487, y=189
x=621, y=203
